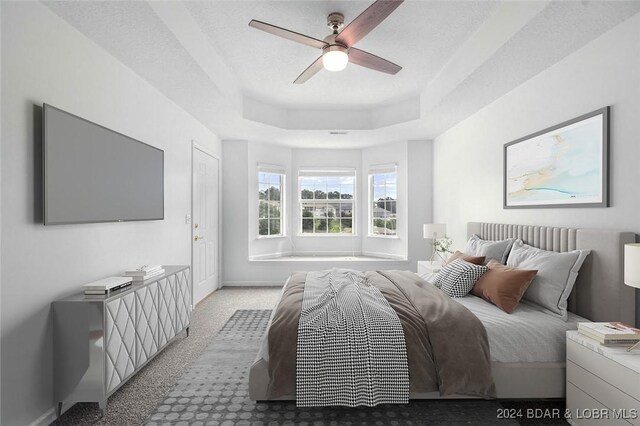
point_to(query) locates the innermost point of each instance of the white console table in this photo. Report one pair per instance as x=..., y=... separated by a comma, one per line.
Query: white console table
x=101, y=341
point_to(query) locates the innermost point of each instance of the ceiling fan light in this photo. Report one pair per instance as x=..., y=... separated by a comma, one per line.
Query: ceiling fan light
x=335, y=59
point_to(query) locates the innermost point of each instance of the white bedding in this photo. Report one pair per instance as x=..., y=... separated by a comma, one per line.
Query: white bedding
x=526, y=335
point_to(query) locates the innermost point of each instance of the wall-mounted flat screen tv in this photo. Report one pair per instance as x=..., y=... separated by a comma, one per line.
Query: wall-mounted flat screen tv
x=94, y=174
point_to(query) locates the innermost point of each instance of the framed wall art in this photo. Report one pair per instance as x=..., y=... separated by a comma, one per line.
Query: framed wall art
x=566, y=165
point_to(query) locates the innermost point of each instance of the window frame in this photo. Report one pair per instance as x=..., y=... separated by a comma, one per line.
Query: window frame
x=274, y=170
x=327, y=172
x=379, y=170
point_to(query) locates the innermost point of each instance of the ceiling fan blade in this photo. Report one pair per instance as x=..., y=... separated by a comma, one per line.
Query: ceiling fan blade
x=310, y=71
x=368, y=60
x=290, y=35
x=367, y=21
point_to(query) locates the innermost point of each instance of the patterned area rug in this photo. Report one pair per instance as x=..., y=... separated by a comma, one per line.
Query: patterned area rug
x=214, y=391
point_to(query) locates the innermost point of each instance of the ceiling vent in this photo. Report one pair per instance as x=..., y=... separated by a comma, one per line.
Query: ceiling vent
x=338, y=133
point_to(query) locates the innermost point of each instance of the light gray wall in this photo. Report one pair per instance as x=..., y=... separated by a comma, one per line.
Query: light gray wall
x=46, y=60
x=0, y=201
x=468, y=157
x=240, y=159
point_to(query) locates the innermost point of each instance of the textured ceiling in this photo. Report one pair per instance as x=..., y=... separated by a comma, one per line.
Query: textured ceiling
x=419, y=36
x=205, y=57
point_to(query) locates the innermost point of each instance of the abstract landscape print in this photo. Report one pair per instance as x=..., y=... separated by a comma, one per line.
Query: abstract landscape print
x=563, y=166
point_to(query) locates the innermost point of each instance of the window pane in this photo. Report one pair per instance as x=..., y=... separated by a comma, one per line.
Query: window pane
x=274, y=180
x=378, y=226
x=391, y=226
x=346, y=210
x=274, y=226
x=263, y=210
x=319, y=210
x=320, y=194
x=274, y=210
x=307, y=211
x=262, y=191
x=274, y=193
x=346, y=226
x=263, y=177
x=333, y=188
x=391, y=207
x=334, y=226
x=320, y=225
x=263, y=225
x=307, y=225
x=379, y=192
x=306, y=188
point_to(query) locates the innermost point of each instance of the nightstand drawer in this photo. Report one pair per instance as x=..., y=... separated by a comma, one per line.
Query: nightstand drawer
x=601, y=391
x=598, y=365
x=582, y=407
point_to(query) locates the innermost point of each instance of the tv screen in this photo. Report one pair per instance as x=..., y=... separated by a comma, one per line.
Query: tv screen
x=93, y=174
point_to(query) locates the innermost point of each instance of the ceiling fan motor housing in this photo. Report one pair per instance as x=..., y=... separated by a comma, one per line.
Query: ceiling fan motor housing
x=335, y=21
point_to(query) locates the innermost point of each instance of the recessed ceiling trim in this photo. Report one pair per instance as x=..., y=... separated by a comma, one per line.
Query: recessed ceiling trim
x=507, y=20
x=180, y=22
x=307, y=119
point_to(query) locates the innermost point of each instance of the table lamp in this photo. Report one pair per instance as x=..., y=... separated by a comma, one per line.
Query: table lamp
x=433, y=231
x=632, y=271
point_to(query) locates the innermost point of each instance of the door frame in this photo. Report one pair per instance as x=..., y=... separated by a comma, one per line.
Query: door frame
x=196, y=146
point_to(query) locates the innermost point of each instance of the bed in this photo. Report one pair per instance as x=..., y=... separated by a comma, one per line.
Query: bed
x=529, y=361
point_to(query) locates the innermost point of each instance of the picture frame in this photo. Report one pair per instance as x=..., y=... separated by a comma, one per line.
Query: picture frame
x=566, y=165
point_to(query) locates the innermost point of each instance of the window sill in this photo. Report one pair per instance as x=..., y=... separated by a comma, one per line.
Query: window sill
x=307, y=235
x=270, y=237
x=328, y=258
x=384, y=237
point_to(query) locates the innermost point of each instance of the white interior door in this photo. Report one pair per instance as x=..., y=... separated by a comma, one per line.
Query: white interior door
x=205, y=223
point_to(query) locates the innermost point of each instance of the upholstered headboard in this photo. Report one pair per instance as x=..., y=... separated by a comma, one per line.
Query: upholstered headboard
x=600, y=293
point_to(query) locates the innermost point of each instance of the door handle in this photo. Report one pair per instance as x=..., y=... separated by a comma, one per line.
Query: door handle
x=197, y=238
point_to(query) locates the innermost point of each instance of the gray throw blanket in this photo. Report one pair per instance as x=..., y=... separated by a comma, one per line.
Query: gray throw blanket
x=351, y=349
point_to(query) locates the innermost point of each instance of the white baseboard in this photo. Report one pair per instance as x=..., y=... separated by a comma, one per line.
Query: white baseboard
x=386, y=256
x=253, y=283
x=47, y=418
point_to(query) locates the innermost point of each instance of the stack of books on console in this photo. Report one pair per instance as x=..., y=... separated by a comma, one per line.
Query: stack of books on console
x=145, y=272
x=106, y=285
x=610, y=333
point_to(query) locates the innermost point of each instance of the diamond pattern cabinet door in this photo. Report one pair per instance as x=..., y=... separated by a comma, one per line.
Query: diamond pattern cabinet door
x=166, y=311
x=146, y=323
x=183, y=299
x=120, y=340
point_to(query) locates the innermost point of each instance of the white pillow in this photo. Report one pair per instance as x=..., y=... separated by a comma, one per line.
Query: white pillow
x=497, y=250
x=457, y=278
x=557, y=273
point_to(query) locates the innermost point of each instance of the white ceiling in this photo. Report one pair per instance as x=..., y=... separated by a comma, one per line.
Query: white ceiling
x=457, y=57
x=419, y=36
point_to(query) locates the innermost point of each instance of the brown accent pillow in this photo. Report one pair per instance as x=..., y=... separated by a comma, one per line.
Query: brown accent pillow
x=503, y=285
x=476, y=260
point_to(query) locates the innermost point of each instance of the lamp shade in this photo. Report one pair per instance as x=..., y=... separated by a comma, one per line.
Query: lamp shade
x=434, y=230
x=632, y=265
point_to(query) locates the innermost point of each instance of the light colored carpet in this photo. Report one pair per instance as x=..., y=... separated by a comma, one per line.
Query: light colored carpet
x=137, y=399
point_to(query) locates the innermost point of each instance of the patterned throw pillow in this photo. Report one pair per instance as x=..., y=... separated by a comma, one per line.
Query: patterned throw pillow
x=457, y=278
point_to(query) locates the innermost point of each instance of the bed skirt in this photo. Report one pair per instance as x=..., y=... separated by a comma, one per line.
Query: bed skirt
x=513, y=381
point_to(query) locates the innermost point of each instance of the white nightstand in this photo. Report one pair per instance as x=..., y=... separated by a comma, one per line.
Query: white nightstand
x=603, y=383
x=426, y=268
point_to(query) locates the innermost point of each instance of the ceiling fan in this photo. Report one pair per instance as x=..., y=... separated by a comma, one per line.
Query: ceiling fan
x=337, y=47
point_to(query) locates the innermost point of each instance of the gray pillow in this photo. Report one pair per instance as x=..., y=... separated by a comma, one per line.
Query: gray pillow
x=557, y=273
x=496, y=250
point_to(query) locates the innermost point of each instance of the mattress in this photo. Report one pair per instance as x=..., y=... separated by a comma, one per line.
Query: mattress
x=527, y=335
